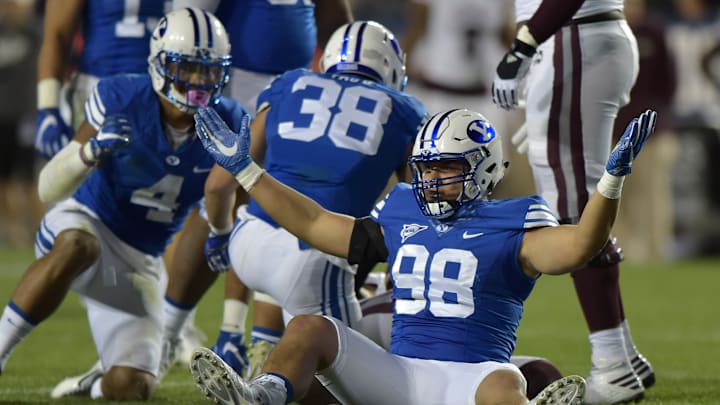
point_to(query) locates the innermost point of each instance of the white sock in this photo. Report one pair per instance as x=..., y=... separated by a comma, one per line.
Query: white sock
x=14, y=326
x=174, y=317
x=632, y=351
x=96, y=389
x=234, y=316
x=608, y=347
x=278, y=387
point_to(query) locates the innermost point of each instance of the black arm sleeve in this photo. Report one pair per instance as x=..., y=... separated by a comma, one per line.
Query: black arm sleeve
x=550, y=17
x=367, y=248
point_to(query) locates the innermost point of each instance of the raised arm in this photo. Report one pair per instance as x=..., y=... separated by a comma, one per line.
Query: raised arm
x=301, y=216
x=568, y=247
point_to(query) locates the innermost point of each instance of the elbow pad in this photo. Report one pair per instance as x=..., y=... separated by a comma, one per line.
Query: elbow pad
x=63, y=174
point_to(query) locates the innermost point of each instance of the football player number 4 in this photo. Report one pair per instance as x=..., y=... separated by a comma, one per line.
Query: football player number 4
x=365, y=109
x=442, y=284
x=160, y=198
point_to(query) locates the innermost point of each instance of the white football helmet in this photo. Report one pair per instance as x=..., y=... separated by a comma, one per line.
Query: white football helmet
x=366, y=48
x=189, y=58
x=457, y=135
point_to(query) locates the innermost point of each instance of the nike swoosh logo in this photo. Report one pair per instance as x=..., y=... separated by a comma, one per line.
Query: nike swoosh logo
x=467, y=235
x=229, y=347
x=49, y=121
x=197, y=169
x=227, y=151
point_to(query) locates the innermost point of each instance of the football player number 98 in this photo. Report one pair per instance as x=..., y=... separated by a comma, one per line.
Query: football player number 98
x=445, y=279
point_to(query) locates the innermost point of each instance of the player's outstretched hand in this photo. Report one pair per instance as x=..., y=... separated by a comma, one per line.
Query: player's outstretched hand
x=113, y=135
x=509, y=73
x=216, y=251
x=51, y=132
x=230, y=150
x=631, y=142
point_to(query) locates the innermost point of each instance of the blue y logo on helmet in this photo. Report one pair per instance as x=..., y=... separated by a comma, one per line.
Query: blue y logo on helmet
x=481, y=131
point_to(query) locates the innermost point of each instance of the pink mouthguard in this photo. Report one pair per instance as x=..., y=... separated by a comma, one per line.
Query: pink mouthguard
x=198, y=97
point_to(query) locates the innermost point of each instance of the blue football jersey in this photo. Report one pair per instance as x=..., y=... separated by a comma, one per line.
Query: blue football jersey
x=270, y=36
x=457, y=284
x=144, y=191
x=336, y=138
x=117, y=35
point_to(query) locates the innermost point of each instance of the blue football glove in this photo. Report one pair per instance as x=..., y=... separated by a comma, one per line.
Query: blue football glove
x=113, y=135
x=216, y=252
x=230, y=150
x=51, y=132
x=631, y=142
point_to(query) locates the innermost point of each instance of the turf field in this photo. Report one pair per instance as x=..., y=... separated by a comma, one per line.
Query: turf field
x=674, y=312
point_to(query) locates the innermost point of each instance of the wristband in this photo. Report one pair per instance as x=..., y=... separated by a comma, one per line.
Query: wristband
x=86, y=151
x=525, y=36
x=610, y=186
x=221, y=231
x=48, y=93
x=248, y=176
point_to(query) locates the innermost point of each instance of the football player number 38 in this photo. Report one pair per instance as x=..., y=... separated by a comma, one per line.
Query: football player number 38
x=361, y=110
x=442, y=284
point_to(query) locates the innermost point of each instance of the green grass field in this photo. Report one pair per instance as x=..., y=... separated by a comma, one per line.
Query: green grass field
x=673, y=310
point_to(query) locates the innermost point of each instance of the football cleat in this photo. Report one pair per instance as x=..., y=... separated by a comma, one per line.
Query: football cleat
x=231, y=348
x=78, y=385
x=222, y=385
x=644, y=370
x=616, y=384
x=257, y=353
x=568, y=390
